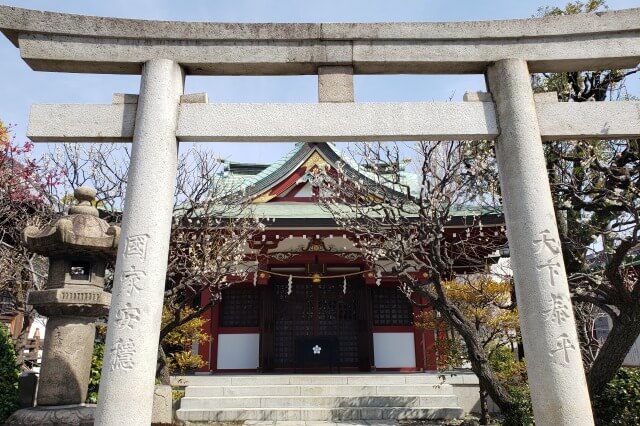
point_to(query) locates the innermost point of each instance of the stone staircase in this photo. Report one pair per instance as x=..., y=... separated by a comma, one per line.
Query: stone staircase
x=394, y=396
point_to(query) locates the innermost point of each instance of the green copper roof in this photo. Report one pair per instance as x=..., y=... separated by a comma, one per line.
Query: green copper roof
x=270, y=175
x=282, y=210
x=274, y=173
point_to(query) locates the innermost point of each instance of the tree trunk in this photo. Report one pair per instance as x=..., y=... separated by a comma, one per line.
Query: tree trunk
x=477, y=356
x=625, y=332
x=162, y=369
x=487, y=378
x=484, y=406
x=22, y=339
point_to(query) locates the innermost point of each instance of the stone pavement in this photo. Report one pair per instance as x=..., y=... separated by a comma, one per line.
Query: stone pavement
x=319, y=423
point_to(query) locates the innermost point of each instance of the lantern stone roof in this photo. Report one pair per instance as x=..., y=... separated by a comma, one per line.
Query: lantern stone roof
x=80, y=231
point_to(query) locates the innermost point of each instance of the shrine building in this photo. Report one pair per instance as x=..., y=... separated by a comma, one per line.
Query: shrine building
x=315, y=304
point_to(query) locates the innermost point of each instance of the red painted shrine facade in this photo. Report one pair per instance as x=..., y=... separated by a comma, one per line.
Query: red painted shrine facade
x=314, y=305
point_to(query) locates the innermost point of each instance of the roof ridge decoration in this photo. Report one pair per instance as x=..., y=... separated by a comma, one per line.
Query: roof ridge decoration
x=290, y=169
x=305, y=157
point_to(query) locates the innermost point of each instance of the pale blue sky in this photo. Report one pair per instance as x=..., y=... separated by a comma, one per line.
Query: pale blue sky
x=22, y=87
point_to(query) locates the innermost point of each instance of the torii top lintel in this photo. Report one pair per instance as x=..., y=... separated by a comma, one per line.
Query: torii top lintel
x=75, y=43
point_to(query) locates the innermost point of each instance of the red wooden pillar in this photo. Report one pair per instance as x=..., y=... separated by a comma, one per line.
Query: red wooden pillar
x=215, y=333
x=441, y=335
x=430, y=341
x=209, y=350
x=424, y=339
x=204, y=348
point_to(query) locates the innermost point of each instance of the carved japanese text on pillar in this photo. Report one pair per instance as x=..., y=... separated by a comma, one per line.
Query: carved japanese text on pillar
x=563, y=346
x=127, y=317
x=57, y=339
x=547, y=245
x=560, y=308
x=122, y=354
x=136, y=246
x=132, y=280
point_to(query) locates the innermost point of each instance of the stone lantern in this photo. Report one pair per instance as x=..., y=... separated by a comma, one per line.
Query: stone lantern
x=78, y=246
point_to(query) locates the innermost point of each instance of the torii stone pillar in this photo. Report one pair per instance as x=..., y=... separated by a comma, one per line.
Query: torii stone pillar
x=127, y=383
x=554, y=364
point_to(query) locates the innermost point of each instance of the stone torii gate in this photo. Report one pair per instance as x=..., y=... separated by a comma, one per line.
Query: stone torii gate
x=164, y=52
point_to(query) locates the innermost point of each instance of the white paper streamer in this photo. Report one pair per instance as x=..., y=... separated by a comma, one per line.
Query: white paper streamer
x=290, y=289
x=255, y=278
x=344, y=285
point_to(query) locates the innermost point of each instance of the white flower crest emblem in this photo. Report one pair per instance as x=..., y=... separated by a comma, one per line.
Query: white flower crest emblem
x=316, y=350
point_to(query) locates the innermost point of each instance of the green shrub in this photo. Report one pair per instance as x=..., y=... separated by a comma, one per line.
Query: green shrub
x=513, y=375
x=177, y=394
x=178, y=342
x=96, y=370
x=522, y=415
x=619, y=402
x=9, y=373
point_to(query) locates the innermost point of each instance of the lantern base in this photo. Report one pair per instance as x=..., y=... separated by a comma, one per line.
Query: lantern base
x=67, y=415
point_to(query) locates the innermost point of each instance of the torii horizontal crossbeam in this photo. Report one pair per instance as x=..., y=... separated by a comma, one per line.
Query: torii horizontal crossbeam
x=334, y=122
x=73, y=43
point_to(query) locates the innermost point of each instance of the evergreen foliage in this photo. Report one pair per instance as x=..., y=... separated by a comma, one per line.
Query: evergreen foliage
x=178, y=342
x=513, y=375
x=619, y=402
x=96, y=370
x=9, y=373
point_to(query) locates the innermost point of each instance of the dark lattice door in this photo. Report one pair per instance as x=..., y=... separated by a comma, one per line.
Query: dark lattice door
x=293, y=316
x=337, y=317
x=315, y=310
